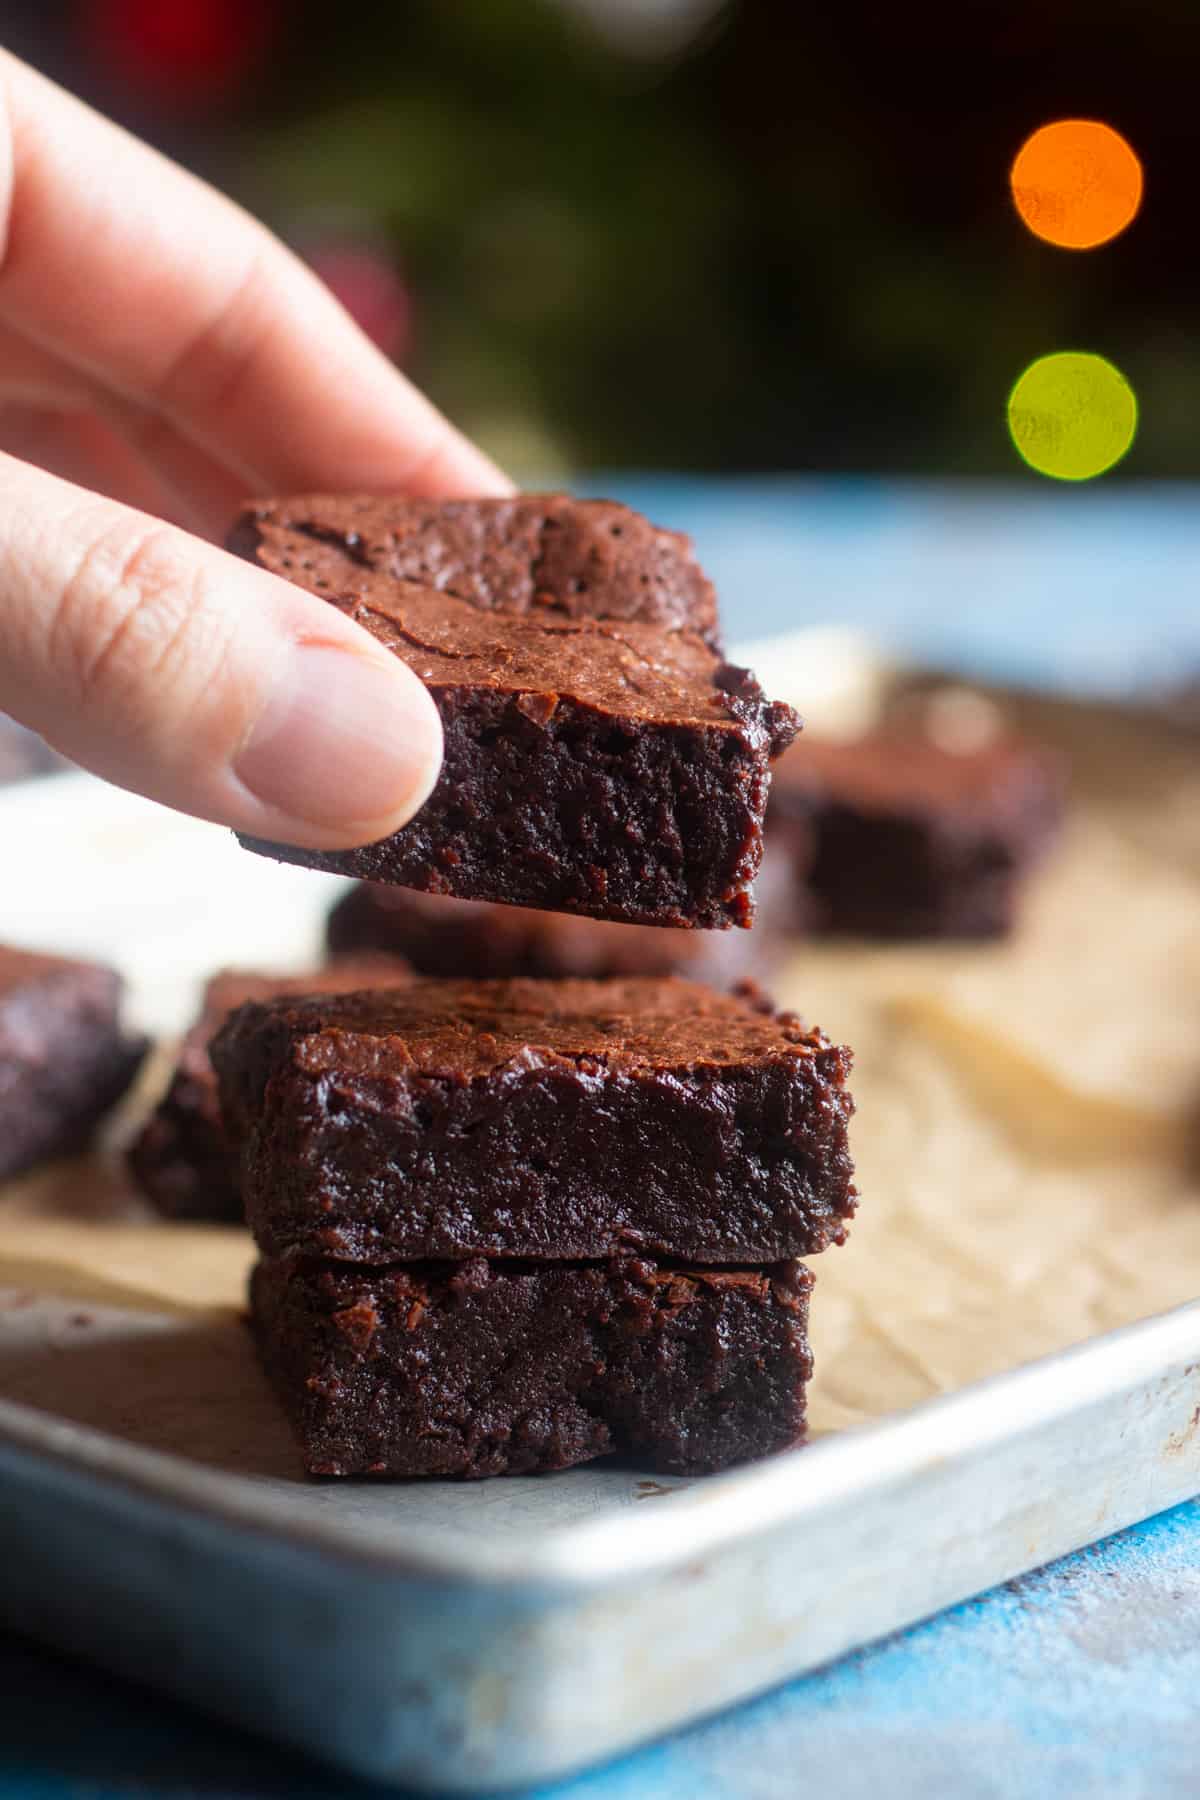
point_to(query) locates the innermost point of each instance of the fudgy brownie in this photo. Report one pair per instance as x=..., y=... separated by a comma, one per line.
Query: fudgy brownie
x=65, y=1058
x=600, y=757
x=901, y=838
x=471, y=938
x=181, y=1159
x=482, y=1368
x=561, y=1120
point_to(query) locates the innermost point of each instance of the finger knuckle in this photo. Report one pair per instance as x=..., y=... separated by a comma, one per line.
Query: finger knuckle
x=131, y=620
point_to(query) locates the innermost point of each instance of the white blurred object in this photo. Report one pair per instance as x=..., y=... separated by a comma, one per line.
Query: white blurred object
x=98, y=872
x=833, y=676
x=962, y=721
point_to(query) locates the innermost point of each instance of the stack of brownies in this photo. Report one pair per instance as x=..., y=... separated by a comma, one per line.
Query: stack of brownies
x=510, y=1225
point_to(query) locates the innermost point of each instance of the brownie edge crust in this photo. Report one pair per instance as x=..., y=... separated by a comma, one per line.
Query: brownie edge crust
x=479, y=1368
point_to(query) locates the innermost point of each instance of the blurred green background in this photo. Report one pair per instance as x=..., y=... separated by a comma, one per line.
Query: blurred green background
x=685, y=233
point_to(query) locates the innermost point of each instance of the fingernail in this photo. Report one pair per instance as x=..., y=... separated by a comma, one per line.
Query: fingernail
x=343, y=740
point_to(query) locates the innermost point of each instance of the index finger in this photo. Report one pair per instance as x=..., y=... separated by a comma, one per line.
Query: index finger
x=162, y=290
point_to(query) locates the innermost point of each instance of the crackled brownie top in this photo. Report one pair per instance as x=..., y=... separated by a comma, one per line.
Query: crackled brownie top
x=637, y=671
x=600, y=606
x=462, y=1031
x=543, y=553
x=634, y=670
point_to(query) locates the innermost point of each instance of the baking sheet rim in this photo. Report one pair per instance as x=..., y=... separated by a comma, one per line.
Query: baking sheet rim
x=710, y=1515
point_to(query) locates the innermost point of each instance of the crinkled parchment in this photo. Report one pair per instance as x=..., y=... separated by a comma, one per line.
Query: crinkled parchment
x=1026, y=1136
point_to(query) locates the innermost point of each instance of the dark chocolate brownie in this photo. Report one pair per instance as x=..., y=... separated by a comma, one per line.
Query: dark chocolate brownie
x=600, y=757
x=471, y=938
x=181, y=1159
x=900, y=838
x=65, y=1058
x=482, y=1368
x=561, y=1120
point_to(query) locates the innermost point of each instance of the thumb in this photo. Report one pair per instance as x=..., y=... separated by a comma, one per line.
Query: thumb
x=177, y=670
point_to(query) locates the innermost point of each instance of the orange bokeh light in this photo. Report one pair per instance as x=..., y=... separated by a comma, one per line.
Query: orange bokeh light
x=1076, y=183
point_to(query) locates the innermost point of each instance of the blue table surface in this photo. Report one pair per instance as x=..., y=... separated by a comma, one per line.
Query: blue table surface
x=1080, y=1680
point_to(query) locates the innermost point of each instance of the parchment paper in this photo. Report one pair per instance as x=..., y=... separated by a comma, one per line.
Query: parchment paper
x=1026, y=1139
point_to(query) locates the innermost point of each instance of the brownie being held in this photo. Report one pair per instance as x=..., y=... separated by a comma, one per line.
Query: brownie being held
x=600, y=757
x=65, y=1057
x=181, y=1159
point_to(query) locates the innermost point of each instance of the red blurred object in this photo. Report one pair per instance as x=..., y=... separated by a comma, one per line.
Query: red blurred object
x=372, y=291
x=191, y=50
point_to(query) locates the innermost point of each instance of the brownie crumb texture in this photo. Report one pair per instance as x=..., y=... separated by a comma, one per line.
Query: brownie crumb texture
x=481, y=1368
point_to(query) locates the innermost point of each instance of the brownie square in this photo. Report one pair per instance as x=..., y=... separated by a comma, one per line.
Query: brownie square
x=898, y=838
x=552, y=1119
x=182, y=1159
x=65, y=1058
x=600, y=757
x=480, y=1368
x=472, y=938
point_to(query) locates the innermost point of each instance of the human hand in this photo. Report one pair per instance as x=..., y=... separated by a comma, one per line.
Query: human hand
x=162, y=356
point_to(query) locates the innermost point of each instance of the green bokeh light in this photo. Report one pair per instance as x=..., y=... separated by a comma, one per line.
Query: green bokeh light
x=1072, y=415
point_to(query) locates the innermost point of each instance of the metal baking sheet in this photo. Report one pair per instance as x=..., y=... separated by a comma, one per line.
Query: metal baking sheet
x=516, y=1632
x=462, y=1637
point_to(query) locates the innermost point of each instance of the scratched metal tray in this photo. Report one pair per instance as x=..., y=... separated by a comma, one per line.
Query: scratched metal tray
x=515, y=1631
x=466, y=1637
